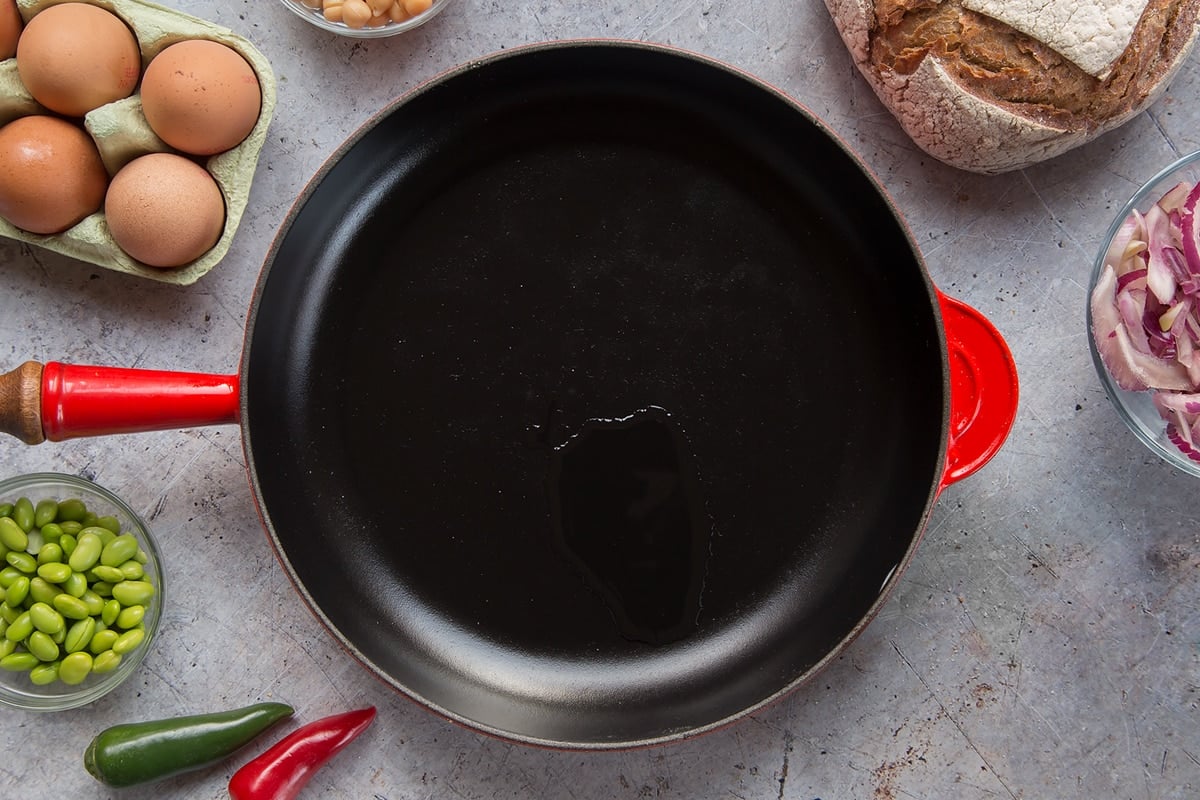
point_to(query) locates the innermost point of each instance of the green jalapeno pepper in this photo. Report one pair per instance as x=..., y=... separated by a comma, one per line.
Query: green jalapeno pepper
x=140, y=752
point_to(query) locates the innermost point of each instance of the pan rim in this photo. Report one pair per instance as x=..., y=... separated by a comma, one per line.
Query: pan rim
x=252, y=466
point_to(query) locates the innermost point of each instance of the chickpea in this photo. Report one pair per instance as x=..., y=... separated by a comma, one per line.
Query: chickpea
x=356, y=13
x=332, y=10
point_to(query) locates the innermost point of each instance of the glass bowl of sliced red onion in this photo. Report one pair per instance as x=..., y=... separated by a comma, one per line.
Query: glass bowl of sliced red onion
x=1144, y=313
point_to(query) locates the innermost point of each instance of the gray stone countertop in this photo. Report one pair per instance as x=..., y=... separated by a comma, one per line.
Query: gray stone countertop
x=1044, y=642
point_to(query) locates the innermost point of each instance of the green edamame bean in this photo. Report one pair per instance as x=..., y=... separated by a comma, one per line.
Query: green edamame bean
x=22, y=561
x=44, y=674
x=87, y=551
x=89, y=519
x=8, y=575
x=52, y=532
x=75, y=585
x=71, y=510
x=109, y=522
x=42, y=646
x=44, y=512
x=133, y=593
x=103, y=588
x=20, y=628
x=75, y=667
x=70, y=607
x=60, y=636
x=67, y=542
x=9, y=613
x=45, y=618
x=106, y=662
x=102, y=640
x=131, y=617
x=106, y=574
x=42, y=591
x=132, y=570
x=23, y=513
x=141, y=557
x=20, y=661
x=128, y=641
x=12, y=535
x=54, y=572
x=112, y=610
x=6, y=509
x=70, y=527
x=50, y=553
x=7, y=647
x=80, y=634
x=17, y=591
x=93, y=601
x=119, y=550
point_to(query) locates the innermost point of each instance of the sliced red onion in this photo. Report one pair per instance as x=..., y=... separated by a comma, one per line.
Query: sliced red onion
x=1160, y=274
x=1133, y=276
x=1146, y=311
x=1188, y=229
x=1182, y=414
x=1131, y=228
x=1134, y=370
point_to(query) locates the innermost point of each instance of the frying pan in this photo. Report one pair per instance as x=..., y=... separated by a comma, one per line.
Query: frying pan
x=593, y=395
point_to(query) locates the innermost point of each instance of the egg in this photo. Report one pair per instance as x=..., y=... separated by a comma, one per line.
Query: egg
x=201, y=96
x=74, y=57
x=164, y=210
x=51, y=175
x=10, y=28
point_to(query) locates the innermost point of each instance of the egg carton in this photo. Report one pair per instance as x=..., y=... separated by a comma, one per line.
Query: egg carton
x=122, y=133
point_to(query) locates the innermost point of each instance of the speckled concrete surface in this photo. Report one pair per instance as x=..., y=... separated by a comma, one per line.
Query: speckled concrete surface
x=1044, y=643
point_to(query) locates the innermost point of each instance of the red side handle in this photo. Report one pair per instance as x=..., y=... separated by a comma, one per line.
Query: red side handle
x=983, y=389
x=58, y=401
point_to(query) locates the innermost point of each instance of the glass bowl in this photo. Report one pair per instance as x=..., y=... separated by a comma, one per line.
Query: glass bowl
x=1137, y=408
x=311, y=11
x=18, y=688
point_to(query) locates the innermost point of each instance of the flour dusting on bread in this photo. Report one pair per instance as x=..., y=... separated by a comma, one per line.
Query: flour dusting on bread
x=1091, y=35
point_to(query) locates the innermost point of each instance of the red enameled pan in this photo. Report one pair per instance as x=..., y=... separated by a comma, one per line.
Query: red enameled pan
x=593, y=395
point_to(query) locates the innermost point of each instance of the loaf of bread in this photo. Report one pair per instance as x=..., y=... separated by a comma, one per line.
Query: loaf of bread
x=991, y=86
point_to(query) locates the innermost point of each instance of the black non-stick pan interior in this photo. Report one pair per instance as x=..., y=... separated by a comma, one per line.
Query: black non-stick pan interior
x=593, y=393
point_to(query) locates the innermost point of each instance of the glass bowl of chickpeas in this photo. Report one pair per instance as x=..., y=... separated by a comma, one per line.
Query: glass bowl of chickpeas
x=81, y=591
x=366, y=19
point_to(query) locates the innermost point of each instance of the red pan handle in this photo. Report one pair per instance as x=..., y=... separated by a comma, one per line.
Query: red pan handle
x=59, y=401
x=983, y=389
x=63, y=401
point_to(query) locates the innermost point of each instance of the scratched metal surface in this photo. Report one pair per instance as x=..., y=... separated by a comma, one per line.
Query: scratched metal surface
x=1044, y=643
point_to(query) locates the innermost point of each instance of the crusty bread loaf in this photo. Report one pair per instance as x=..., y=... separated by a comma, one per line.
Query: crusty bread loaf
x=996, y=85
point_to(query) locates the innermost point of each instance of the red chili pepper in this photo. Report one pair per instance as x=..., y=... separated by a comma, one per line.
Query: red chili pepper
x=284, y=769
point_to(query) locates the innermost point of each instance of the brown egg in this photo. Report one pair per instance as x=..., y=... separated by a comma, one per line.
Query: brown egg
x=10, y=28
x=51, y=175
x=74, y=57
x=164, y=210
x=201, y=96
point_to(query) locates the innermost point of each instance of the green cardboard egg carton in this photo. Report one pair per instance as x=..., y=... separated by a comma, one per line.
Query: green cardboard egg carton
x=122, y=133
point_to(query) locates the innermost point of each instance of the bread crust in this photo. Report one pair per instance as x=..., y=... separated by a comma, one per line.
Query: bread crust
x=984, y=96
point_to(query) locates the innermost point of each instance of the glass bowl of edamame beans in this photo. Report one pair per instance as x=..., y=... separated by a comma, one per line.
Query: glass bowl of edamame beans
x=81, y=591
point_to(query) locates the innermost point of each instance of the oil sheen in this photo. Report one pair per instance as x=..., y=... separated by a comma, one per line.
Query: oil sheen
x=627, y=511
